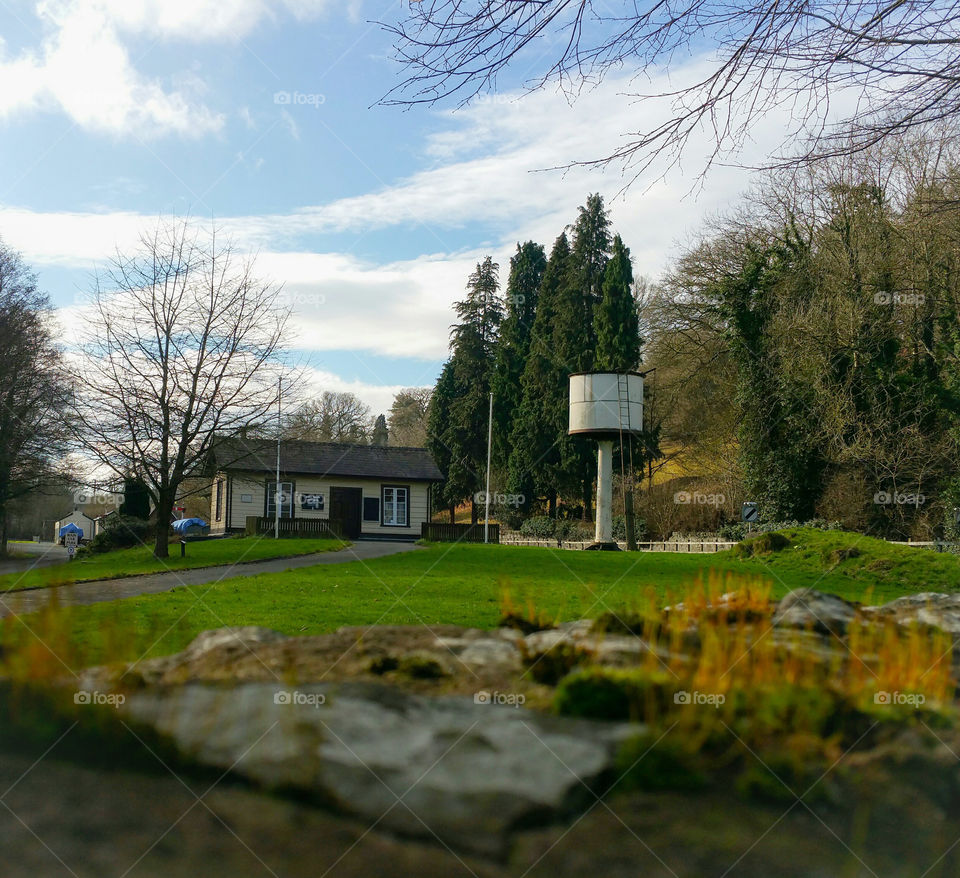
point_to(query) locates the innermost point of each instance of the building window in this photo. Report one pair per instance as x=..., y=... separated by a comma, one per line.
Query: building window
x=371, y=509
x=285, y=496
x=219, y=499
x=396, y=511
x=311, y=502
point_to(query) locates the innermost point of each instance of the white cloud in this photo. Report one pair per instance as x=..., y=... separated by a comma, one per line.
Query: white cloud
x=83, y=68
x=480, y=172
x=378, y=396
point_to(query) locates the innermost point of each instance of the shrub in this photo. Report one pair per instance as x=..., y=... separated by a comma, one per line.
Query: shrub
x=540, y=527
x=122, y=533
x=620, y=528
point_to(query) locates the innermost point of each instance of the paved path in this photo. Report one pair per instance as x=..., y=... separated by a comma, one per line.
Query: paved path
x=97, y=591
x=50, y=553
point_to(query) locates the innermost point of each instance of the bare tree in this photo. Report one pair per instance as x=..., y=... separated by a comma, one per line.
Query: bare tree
x=182, y=345
x=34, y=389
x=896, y=61
x=408, y=417
x=334, y=417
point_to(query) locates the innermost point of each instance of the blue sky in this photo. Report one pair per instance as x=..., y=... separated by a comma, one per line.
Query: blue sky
x=262, y=116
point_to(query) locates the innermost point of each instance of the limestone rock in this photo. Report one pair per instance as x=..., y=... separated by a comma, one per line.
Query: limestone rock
x=465, y=772
x=809, y=608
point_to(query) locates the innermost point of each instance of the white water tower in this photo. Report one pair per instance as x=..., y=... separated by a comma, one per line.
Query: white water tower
x=608, y=407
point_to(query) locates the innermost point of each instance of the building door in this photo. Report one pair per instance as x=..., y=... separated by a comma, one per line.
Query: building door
x=345, y=509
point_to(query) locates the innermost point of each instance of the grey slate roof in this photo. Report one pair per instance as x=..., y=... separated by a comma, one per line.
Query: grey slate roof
x=326, y=459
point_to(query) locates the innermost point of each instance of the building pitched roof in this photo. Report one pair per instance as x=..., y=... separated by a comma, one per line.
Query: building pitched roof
x=326, y=459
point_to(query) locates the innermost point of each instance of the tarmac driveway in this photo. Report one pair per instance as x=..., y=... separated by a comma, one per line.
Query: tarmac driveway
x=97, y=591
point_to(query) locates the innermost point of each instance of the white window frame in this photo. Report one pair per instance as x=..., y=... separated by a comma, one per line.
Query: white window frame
x=286, y=505
x=390, y=500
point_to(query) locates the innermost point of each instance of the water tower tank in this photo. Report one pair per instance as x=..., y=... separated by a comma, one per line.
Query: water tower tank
x=604, y=404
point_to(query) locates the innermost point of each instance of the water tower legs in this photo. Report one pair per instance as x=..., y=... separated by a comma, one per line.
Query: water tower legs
x=604, y=532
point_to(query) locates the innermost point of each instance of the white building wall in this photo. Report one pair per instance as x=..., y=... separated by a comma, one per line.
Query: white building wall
x=244, y=495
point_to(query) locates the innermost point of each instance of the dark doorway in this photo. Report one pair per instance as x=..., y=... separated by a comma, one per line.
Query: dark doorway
x=345, y=509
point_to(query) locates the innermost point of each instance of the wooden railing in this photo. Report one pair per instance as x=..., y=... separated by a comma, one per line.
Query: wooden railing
x=457, y=533
x=320, y=528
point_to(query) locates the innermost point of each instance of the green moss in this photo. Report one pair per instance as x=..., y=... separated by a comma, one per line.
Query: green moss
x=552, y=665
x=648, y=762
x=612, y=693
x=420, y=667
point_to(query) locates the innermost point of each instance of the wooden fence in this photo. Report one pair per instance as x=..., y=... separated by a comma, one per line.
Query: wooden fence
x=457, y=533
x=319, y=528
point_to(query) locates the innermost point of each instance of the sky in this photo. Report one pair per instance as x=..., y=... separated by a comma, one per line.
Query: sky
x=262, y=117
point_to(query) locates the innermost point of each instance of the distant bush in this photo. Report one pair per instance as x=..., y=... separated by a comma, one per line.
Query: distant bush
x=122, y=533
x=540, y=527
x=620, y=528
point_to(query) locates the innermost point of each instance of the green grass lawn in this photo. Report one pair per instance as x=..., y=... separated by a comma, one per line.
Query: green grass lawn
x=130, y=562
x=464, y=585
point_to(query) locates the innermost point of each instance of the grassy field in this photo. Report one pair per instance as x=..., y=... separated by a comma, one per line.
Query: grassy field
x=466, y=585
x=130, y=562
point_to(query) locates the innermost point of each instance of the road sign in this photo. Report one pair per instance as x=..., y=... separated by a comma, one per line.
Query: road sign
x=70, y=540
x=750, y=512
x=956, y=515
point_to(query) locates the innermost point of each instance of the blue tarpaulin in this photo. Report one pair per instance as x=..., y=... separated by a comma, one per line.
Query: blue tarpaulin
x=72, y=529
x=188, y=525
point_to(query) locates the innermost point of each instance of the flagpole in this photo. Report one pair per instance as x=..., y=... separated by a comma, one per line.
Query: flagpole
x=486, y=514
x=276, y=496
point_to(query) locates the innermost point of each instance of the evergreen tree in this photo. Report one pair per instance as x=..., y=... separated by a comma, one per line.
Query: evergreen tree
x=136, y=499
x=541, y=418
x=438, y=420
x=574, y=340
x=526, y=274
x=617, y=324
x=463, y=432
x=379, y=435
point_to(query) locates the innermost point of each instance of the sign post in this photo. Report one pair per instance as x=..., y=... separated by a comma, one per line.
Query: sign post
x=749, y=513
x=70, y=540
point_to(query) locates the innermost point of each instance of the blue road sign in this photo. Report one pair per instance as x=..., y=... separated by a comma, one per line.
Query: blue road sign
x=750, y=512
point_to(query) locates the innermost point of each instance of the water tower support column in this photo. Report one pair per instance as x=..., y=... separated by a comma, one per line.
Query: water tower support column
x=604, y=531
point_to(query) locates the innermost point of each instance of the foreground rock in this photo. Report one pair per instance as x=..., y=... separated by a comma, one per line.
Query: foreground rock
x=811, y=609
x=462, y=772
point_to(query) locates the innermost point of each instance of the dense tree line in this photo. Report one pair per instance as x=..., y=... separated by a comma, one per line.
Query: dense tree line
x=814, y=334
x=571, y=312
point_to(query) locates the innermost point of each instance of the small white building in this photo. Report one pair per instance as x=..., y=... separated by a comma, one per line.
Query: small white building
x=81, y=520
x=368, y=490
